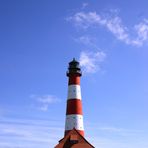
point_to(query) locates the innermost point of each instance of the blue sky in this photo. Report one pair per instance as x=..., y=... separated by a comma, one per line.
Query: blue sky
x=39, y=38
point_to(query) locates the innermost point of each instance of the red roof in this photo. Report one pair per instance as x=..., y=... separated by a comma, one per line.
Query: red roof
x=74, y=140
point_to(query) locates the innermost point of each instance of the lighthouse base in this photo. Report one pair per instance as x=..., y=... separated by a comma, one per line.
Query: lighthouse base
x=74, y=139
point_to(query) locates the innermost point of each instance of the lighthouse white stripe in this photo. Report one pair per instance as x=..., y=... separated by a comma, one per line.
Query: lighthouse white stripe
x=74, y=91
x=74, y=121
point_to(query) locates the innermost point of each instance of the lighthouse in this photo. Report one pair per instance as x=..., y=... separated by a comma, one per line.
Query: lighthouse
x=74, y=115
x=74, y=128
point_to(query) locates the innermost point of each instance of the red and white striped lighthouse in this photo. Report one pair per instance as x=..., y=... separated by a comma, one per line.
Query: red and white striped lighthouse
x=74, y=115
x=74, y=130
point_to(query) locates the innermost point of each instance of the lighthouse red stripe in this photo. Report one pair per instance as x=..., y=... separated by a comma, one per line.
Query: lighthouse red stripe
x=74, y=106
x=74, y=79
x=80, y=132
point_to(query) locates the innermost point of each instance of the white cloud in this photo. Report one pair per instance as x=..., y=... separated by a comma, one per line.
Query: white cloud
x=90, y=61
x=85, y=20
x=142, y=31
x=45, y=100
x=113, y=24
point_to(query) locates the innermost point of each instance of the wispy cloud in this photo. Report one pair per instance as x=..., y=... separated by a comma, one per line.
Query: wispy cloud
x=90, y=61
x=46, y=133
x=85, y=20
x=119, y=131
x=114, y=24
x=32, y=133
x=109, y=136
x=142, y=31
x=112, y=142
x=46, y=100
x=84, y=5
x=88, y=41
x=114, y=130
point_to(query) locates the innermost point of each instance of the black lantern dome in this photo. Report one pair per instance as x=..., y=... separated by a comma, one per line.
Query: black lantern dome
x=74, y=68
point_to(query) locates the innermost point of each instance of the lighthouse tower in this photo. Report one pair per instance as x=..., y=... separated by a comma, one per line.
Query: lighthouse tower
x=74, y=115
x=74, y=129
